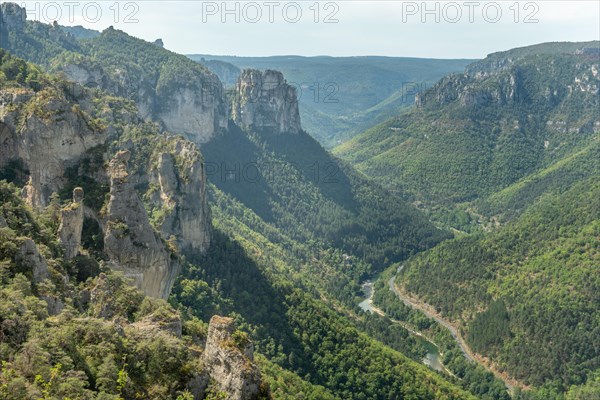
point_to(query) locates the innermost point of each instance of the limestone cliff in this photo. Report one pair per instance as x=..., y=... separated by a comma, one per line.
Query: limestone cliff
x=193, y=107
x=60, y=136
x=515, y=79
x=474, y=91
x=86, y=74
x=71, y=225
x=12, y=16
x=181, y=196
x=265, y=102
x=129, y=240
x=12, y=19
x=230, y=362
x=181, y=95
x=47, y=134
x=28, y=255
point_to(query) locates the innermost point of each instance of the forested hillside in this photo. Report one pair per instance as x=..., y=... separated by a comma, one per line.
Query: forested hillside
x=508, y=151
x=526, y=294
x=270, y=283
x=272, y=298
x=476, y=133
x=291, y=182
x=124, y=163
x=285, y=263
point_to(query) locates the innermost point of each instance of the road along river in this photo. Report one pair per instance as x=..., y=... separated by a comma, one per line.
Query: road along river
x=433, y=357
x=428, y=311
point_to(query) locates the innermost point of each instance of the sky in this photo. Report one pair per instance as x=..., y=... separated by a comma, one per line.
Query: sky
x=433, y=29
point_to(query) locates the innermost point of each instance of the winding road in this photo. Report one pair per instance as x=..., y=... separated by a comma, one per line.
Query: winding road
x=428, y=311
x=412, y=303
x=433, y=357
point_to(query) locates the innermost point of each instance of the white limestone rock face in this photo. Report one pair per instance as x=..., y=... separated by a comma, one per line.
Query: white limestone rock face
x=191, y=104
x=12, y=16
x=91, y=76
x=58, y=135
x=181, y=180
x=230, y=366
x=504, y=80
x=130, y=241
x=265, y=102
x=47, y=140
x=195, y=109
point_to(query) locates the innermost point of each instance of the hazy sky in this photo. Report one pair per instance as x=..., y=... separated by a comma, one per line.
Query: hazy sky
x=460, y=29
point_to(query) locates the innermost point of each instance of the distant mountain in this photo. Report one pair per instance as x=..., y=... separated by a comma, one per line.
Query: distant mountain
x=341, y=96
x=475, y=133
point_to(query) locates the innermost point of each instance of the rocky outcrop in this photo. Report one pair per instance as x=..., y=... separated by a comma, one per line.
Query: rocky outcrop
x=47, y=140
x=46, y=136
x=508, y=89
x=86, y=74
x=197, y=111
x=265, y=102
x=157, y=322
x=54, y=304
x=517, y=79
x=101, y=298
x=230, y=362
x=129, y=240
x=71, y=225
x=12, y=17
x=28, y=257
x=182, y=197
x=60, y=134
x=184, y=99
x=477, y=90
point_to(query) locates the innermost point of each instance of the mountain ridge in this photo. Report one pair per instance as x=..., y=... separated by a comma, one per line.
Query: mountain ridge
x=334, y=92
x=269, y=292
x=507, y=152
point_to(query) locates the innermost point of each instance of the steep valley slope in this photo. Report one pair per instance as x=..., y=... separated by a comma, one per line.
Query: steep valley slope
x=108, y=186
x=507, y=151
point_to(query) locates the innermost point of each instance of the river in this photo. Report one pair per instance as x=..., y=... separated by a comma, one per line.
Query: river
x=433, y=357
x=457, y=338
